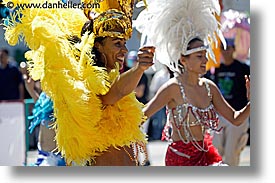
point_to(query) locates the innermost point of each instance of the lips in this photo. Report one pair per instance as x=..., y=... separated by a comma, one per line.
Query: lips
x=203, y=66
x=120, y=59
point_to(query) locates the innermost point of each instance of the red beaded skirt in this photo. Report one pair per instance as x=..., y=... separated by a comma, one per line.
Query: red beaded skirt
x=181, y=154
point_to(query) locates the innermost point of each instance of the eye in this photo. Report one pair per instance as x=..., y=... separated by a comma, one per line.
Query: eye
x=199, y=56
x=117, y=44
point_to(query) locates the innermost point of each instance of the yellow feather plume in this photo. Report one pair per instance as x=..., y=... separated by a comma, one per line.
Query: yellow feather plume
x=83, y=128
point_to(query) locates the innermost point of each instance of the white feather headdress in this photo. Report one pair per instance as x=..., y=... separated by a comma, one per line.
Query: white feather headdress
x=171, y=24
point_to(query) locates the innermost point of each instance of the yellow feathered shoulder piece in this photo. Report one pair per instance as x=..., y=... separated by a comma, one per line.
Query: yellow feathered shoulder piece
x=120, y=122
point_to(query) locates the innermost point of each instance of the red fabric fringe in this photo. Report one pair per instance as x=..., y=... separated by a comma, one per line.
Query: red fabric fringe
x=197, y=157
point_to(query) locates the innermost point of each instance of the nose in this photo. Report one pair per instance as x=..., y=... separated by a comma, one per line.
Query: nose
x=124, y=49
x=205, y=59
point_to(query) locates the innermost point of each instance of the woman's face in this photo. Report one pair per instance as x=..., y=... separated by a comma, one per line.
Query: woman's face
x=196, y=62
x=113, y=50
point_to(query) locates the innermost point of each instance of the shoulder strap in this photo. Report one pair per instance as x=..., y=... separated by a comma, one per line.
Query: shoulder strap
x=182, y=90
x=208, y=89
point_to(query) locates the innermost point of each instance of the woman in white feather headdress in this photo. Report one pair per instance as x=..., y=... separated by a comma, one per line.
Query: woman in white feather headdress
x=182, y=31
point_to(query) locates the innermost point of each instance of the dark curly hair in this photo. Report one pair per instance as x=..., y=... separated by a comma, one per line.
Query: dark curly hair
x=88, y=26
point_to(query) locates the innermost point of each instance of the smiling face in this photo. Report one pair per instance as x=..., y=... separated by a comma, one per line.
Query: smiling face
x=195, y=62
x=113, y=50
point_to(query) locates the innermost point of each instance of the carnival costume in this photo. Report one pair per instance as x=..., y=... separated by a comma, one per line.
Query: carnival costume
x=42, y=114
x=188, y=151
x=170, y=26
x=84, y=127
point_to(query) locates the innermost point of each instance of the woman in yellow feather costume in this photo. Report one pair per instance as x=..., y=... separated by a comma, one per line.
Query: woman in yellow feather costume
x=97, y=115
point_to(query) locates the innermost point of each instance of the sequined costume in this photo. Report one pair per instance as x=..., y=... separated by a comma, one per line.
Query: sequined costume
x=188, y=151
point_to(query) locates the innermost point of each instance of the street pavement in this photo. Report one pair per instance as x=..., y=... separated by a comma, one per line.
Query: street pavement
x=156, y=151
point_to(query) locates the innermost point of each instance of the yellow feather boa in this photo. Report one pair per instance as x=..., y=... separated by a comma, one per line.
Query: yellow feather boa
x=84, y=128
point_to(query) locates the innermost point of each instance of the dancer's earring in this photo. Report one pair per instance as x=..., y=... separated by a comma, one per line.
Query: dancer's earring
x=105, y=60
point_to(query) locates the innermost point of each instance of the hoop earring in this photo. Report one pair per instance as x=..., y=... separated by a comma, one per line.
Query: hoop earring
x=105, y=60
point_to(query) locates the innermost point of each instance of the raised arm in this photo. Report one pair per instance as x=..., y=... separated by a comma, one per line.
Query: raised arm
x=163, y=97
x=29, y=84
x=224, y=109
x=128, y=81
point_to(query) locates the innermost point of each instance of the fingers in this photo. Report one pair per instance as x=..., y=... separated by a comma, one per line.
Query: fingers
x=247, y=77
x=146, y=55
x=148, y=48
x=247, y=80
x=147, y=64
x=247, y=84
x=25, y=77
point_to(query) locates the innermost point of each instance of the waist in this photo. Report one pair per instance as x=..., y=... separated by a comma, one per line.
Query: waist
x=123, y=156
x=195, y=132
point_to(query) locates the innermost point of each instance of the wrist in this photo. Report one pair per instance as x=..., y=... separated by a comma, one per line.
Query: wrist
x=139, y=68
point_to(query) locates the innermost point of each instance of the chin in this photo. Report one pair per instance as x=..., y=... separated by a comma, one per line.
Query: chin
x=203, y=69
x=203, y=72
x=120, y=66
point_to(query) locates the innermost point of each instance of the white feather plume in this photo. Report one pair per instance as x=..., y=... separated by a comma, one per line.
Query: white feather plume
x=171, y=24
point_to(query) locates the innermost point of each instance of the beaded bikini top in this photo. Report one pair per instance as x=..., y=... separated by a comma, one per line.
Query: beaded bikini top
x=180, y=117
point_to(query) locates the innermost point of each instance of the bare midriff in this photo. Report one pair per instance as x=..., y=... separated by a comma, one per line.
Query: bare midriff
x=115, y=157
x=195, y=130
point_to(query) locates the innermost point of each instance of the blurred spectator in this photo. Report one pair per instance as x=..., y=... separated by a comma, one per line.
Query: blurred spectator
x=11, y=82
x=230, y=78
x=158, y=120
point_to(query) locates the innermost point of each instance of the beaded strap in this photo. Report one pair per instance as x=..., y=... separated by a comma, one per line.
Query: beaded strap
x=182, y=90
x=208, y=89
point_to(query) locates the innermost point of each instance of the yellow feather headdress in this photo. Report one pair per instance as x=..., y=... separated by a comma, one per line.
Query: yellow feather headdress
x=111, y=17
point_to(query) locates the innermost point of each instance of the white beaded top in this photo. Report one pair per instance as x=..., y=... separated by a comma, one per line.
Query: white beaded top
x=180, y=117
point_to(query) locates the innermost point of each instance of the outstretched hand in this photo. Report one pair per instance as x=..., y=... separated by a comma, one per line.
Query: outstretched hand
x=145, y=57
x=247, y=84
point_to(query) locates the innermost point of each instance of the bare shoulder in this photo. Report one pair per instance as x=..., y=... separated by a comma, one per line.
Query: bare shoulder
x=170, y=89
x=173, y=93
x=171, y=85
x=209, y=82
x=213, y=87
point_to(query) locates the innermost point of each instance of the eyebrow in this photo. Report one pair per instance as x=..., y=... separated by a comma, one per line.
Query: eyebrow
x=120, y=39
